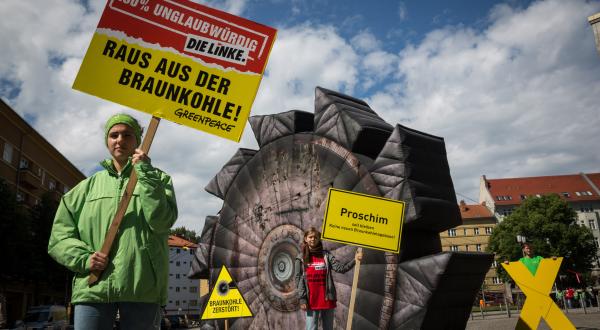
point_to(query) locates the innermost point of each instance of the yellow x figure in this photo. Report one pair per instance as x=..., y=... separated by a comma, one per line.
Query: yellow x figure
x=537, y=289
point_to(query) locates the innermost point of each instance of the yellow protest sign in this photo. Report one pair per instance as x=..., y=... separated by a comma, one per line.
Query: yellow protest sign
x=178, y=60
x=225, y=300
x=364, y=220
x=537, y=289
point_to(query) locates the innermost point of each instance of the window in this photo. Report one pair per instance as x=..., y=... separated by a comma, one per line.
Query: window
x=453, y=248
x=176, y=289
x=176, y=302
x=192, y=251
x=538, y=195
x=23, y=163
x=478, y=247
x=193, y=289
x=577, y=193
x=592, y=223
x=565, y=194
x=177, y=263
x=488, y=230
x=51, y=184
x=20, y=196
x=178, y=250
x=452, y=232
x=8, y=152
x=467, y=247
x=597, y=242
x=523, y=197
x=465, y=231
x=475, y=231
x=496, y=280
x=193, y=302
x=66, y=189
x=586, y=209
x=176, y=275
x=495, y=264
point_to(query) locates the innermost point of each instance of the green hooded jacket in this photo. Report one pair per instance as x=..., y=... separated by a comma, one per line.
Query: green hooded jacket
x=138, y=264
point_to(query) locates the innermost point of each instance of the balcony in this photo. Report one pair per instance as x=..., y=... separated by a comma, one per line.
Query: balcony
x=28, y=180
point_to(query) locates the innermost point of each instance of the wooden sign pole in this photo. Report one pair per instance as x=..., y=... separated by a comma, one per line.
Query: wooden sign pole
x=114, y=226
x=353, y=292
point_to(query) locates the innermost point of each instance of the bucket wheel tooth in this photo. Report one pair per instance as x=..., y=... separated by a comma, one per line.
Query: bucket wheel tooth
x=221, y=182
x=200, y=263
x=413, y=167
x=350, y=122
x=268, y=128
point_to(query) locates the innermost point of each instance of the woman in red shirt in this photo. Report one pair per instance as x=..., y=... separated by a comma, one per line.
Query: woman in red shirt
x=314, y=280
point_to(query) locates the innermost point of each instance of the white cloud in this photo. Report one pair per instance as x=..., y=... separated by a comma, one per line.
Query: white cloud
x=519, y=98
x=402, y=11
x=365, y=41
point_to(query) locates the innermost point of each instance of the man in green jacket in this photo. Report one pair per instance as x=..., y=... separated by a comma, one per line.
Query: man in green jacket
x=135, y=273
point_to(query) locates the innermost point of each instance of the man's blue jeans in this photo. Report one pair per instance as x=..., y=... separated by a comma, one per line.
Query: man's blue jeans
x=313, y=316
x=132, y=315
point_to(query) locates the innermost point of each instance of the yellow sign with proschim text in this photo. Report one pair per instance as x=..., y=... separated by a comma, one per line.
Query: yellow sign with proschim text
x=364, y=220
x=226, y=300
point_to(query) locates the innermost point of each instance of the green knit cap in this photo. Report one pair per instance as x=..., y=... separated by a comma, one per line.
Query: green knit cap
x=126, y=119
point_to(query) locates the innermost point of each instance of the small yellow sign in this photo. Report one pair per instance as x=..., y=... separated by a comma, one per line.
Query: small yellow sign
x=364, y=220
x=225, y=300
x=537, y=288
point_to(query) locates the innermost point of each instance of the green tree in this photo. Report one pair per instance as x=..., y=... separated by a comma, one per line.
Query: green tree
x=549, y=224
x=187, y=234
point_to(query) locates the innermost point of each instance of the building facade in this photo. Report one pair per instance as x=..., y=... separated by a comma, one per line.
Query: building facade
x=580, y=191
x=473, y=236
x=183, y=293
x=30, y=164
x=31, y=167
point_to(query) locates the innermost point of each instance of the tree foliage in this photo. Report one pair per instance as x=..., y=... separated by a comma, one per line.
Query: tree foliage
x=549, y=224
x=187, y=234
x=24, y=234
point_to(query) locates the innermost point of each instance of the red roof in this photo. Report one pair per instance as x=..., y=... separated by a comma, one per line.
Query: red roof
x=474, y=211
x=572, y=187
x=176, y=241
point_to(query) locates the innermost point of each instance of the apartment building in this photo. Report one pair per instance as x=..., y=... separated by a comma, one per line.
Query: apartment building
x=473, y=236
x=30, y=164
x=31, y=167
x=183, y=293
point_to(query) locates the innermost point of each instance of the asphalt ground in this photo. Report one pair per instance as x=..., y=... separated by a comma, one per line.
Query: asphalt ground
x=500, y=321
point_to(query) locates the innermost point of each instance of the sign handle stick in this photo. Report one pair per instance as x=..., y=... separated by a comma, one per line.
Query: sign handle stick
x=114, y=226
x=226, y=324
x=353, y=293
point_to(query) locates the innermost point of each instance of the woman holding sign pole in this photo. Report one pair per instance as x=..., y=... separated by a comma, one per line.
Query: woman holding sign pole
x=135, y=272
x=314, y=280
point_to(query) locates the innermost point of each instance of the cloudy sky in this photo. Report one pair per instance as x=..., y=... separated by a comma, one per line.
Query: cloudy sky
x=513, y=87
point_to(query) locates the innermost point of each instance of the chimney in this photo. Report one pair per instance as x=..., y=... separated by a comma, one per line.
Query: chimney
x=463, y=205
